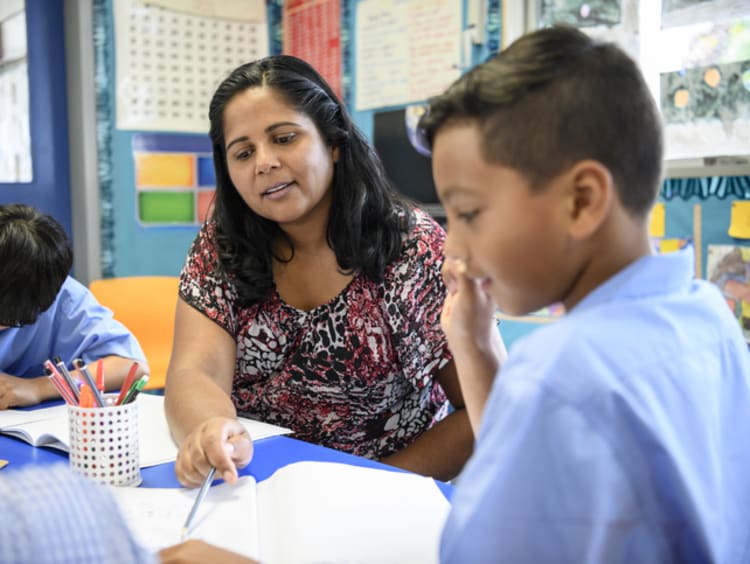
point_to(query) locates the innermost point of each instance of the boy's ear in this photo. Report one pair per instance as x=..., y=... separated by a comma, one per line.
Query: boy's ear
x=591, y=194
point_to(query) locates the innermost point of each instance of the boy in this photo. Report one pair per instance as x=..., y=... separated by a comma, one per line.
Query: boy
x=45, y=313
x=618, y=433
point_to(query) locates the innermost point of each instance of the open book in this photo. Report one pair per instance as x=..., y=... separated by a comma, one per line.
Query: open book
x=305, y=512
x=48, y=427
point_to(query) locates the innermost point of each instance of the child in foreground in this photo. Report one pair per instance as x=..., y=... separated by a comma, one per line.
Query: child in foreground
x=618, y=433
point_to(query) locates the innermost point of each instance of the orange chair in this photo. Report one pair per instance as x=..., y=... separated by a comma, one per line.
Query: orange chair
x=145, y=305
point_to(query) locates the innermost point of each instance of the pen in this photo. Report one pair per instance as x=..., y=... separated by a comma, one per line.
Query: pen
x=62, y=369
x=127, y=383
x=100, y=375
x=198, y=499
x=61, y=387
x=61, y=382
x=81, y=366
x=135, y=389
x=87, y=397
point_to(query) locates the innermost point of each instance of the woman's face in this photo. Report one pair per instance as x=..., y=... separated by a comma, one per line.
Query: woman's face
x=276, y=157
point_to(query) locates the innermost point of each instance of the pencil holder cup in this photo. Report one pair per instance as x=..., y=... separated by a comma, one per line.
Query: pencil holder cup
x=104, y=442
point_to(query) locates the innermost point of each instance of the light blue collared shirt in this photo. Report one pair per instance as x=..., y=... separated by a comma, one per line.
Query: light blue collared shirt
x=620, y=433
x=74, y=326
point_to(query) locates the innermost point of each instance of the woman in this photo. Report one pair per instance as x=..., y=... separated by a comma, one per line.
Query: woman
x=311, y=298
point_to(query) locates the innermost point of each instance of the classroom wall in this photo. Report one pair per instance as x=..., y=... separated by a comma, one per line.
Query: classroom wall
x=138, y=250
x=132, y=249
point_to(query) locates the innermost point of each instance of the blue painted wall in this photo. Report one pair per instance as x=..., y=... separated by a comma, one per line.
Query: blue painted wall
x=49, y=189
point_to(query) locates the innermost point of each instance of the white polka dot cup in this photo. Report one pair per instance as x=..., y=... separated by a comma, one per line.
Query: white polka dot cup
x=104, y=442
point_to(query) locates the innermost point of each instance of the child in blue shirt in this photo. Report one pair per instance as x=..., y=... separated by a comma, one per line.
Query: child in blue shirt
x=618, y=433
x=45, y=313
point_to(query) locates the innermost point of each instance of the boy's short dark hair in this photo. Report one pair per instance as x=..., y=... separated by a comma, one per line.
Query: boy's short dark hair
x=36, y=256
x=554, y=97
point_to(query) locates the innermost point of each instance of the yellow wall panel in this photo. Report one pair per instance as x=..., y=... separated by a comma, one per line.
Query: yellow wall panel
x=164, y=170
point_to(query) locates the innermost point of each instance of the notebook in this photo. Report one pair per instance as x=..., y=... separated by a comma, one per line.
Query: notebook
x=305, y=512
x=48, y=427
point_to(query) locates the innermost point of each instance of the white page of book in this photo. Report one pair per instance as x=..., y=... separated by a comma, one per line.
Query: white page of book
x=55, y=432
x=13, y=417
x=330, y=512
x=226, y=517
x=305, y=512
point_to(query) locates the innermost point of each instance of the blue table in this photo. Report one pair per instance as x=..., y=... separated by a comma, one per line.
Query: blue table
x=269, y=455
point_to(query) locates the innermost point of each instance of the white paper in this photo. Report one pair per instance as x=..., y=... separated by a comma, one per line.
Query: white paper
x=169, y=63
x=305, y=512
x=225, y=517
x=243, y=10
x=330, y=512
x=407, y=50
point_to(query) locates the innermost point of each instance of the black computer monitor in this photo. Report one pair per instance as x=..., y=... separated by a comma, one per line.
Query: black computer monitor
x=409, y=171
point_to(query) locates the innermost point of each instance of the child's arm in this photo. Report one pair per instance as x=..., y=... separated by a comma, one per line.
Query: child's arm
x=199, y=551
x=468, y=320
x=116, y=369
x=21, y=392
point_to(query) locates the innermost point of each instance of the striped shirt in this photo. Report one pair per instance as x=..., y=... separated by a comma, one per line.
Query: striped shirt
x=50, y=515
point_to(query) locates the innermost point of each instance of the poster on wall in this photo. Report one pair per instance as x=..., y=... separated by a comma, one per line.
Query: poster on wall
x=695, y=55
x=170, y=57
x=312, y=31
x=728, y=266
x=407, y=50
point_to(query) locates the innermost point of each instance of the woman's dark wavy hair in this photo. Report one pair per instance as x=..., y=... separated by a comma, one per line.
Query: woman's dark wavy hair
x=36, y=256
x=368, y=218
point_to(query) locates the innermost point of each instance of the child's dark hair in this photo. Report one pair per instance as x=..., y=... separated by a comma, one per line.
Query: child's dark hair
x=368, y=218
x=554, y=97
x=36, y=256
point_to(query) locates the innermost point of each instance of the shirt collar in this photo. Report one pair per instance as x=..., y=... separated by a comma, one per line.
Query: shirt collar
x=649, y=275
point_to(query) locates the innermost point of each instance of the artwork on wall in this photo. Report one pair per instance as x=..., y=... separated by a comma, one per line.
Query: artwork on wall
x=695, y=56
x=174, y=179
x=661, y=245
x=582, y=14
x=728, y=266
x=312, y=31
x=685, y=12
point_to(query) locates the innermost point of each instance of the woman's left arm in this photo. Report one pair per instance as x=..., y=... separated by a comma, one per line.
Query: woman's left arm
x=442, y=450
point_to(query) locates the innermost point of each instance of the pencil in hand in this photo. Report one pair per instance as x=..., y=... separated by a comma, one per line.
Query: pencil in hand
x=198, y=499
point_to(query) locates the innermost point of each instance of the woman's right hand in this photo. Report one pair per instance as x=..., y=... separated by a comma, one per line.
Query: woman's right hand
x=221, y=442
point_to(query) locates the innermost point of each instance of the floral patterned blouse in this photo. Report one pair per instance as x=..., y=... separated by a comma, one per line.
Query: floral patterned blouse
x=355, y=374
